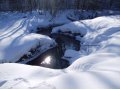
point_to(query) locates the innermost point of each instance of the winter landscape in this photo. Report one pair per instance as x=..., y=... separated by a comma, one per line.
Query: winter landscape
x=59, y=44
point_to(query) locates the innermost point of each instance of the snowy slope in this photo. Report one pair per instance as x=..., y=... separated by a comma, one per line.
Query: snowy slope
x=96, y=65
x=23, y=76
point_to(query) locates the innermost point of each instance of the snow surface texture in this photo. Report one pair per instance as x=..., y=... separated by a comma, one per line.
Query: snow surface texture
x=97, y=64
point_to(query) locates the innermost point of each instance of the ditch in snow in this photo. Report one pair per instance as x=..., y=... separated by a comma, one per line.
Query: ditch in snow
x=52, y=58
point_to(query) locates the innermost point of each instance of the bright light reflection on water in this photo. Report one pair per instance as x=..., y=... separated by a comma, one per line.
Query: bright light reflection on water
x=47, y=60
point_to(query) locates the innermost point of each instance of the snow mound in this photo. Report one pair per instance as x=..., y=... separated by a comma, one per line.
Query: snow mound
x=103, y=33
x=99, y=61
x=73, y=27
x=25, y=76
x=102, y=39
x=11, y=50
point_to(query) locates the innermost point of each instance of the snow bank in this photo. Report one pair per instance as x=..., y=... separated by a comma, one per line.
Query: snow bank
x=102, y=42
x=103, y=33
x=103, y=75
x=100, y=34
x=73, y=27
x=98, y=61
x=25, y=76
x=11, y=50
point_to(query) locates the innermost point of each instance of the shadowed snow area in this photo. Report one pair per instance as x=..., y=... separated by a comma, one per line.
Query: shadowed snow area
x=95, y=66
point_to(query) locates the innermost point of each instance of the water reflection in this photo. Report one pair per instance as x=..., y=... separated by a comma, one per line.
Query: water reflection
x=47, y=60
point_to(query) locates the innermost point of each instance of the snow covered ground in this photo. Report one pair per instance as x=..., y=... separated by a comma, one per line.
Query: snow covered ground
x=96, y=65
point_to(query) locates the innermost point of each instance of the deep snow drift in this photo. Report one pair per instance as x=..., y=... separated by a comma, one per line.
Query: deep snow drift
x=96, y=65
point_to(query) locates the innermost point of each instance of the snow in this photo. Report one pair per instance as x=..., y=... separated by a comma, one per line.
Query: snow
x=73, y=27
x=95, y=66
x=70, y=54
x=16, y=38
x=99, y=33
x=24, y=76
x=11, y=50
x=16, y=32
x=102, y=33
x=37, y=77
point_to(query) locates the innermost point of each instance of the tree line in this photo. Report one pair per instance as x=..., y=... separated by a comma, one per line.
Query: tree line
x=57, y=5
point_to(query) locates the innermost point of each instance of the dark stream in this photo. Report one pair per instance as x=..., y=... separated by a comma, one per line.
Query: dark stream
x=52, y=58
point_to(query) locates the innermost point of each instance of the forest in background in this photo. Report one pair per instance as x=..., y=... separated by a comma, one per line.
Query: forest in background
x=53, y=6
